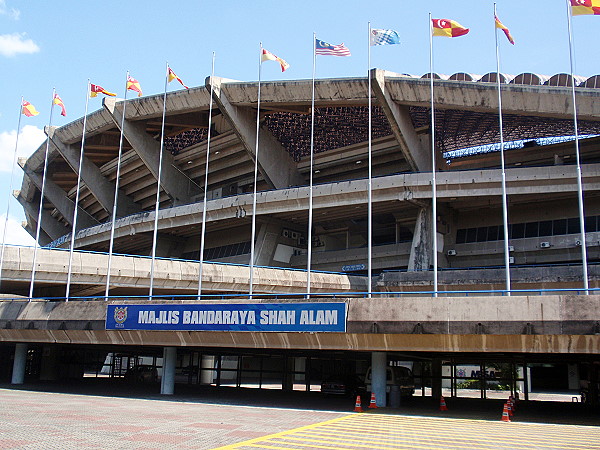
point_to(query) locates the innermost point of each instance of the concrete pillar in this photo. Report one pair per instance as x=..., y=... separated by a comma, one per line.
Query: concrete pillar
x=436, y=378
x=167, y=385
x=18, y=375
x=378, y=377
x=266, y=243
x=288, y=375
x=421, y=251
x=50, y=226
x=49, y=365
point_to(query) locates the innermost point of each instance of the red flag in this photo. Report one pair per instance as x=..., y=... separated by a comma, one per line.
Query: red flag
x=506, y=30
x=58, y=101
x=28, y=109
x=172, y=76
x=134, y=85
x=95, y=90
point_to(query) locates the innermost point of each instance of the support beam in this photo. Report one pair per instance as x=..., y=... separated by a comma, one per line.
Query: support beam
x=100, y=187
x=174, y=182
x=50, y=226
x=18, y=373
x=398, y=116
x=378, y=377
x=59, y=199
x=266, y=243
x=30, y=226
x=167, y=386
x=275, y=164
x=422, y=247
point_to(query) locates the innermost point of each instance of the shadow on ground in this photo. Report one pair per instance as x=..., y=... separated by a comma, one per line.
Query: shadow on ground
x=458, y=408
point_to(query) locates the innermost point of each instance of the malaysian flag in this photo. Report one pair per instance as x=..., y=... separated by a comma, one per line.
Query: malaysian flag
x=384, y=37
x=323, y=48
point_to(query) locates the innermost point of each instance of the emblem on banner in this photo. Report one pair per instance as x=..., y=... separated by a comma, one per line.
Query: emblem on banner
x=120, y=314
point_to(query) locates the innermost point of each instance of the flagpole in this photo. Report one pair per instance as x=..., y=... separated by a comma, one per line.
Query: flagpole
x=39, y=222
x=114, y=214
x=370, y=190
x=157, y=204
x=203, y=234
x=433, y=180
x=504, y=196
x=579, y=181
x=74, y=228
x=255, y=177
x=12, y=173
x=310, y=187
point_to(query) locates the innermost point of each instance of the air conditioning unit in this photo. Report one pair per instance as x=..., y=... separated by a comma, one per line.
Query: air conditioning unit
x=578, y=243
x=544, y=244
x=511, y=259
x=286, y=233
x=451, y=253
x=511, y=248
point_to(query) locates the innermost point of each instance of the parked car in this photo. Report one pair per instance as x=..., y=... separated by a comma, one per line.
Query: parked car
x=350, y=385
x=142, y=374
x=396, y=376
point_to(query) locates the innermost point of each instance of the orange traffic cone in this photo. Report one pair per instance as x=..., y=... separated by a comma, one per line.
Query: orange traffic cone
x=358, y=405
x=509, y=407
x=443, y=404
x=373, y=403
x=505, y=417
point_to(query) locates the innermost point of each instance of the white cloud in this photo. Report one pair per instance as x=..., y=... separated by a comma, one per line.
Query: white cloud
x=30, y=138
x=16, y=43
x=11, y=12
x=15, y=233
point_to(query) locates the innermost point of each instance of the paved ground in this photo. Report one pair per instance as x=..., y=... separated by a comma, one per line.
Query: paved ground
x=99, y=416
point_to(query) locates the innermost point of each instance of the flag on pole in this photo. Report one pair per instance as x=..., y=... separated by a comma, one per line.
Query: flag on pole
x=585, y=7
x=268, y=56
x=384, y=37
x=95, y=90
x=448, y=28
x=172, y=76
x=134, y=85
x=58, y=101
x=505, y=29
x=323, y=48
x=29, y=110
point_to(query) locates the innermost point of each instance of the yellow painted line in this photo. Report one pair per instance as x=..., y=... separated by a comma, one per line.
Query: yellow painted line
x=382, y=445
x=354, y=445
x=281, y=433
x=410, y=436
x=532, y=437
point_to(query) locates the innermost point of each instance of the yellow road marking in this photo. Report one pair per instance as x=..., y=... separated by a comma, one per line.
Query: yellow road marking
x=379, y=431
x=281, y=433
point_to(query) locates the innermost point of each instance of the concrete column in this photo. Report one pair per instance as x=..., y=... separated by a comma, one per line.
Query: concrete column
x=378, y=377
x=436, y=378
x=288, y=376
x=421, y=251
x=18, y=375
x=167, y=385
x=50, y=226
x=266, y=243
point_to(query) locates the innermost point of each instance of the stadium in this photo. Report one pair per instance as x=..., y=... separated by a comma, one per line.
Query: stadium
x=546, y=329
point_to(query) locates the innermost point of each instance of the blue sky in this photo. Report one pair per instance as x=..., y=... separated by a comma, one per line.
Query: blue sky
x=62, y=44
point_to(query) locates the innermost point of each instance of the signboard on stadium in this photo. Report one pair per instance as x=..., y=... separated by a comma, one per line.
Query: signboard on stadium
x=275, y=317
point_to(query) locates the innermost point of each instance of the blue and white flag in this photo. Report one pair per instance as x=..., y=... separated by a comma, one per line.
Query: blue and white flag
x=384, y=37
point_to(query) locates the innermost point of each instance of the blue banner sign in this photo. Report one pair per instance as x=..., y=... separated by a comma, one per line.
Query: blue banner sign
x=278, y=317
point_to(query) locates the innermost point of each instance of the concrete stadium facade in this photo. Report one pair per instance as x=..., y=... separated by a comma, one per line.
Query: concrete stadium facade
x=472, y=317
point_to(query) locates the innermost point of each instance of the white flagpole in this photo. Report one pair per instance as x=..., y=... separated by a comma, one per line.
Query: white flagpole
x=579, y=181
x=310, y=187
x=433, y=181
x=255, y=178
x=12, y=173
x=39, y=223
x=114, y=214
x=74, y=228
x=504, y=196
x=203, y=234
x=157, y=204
x=370, y=192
